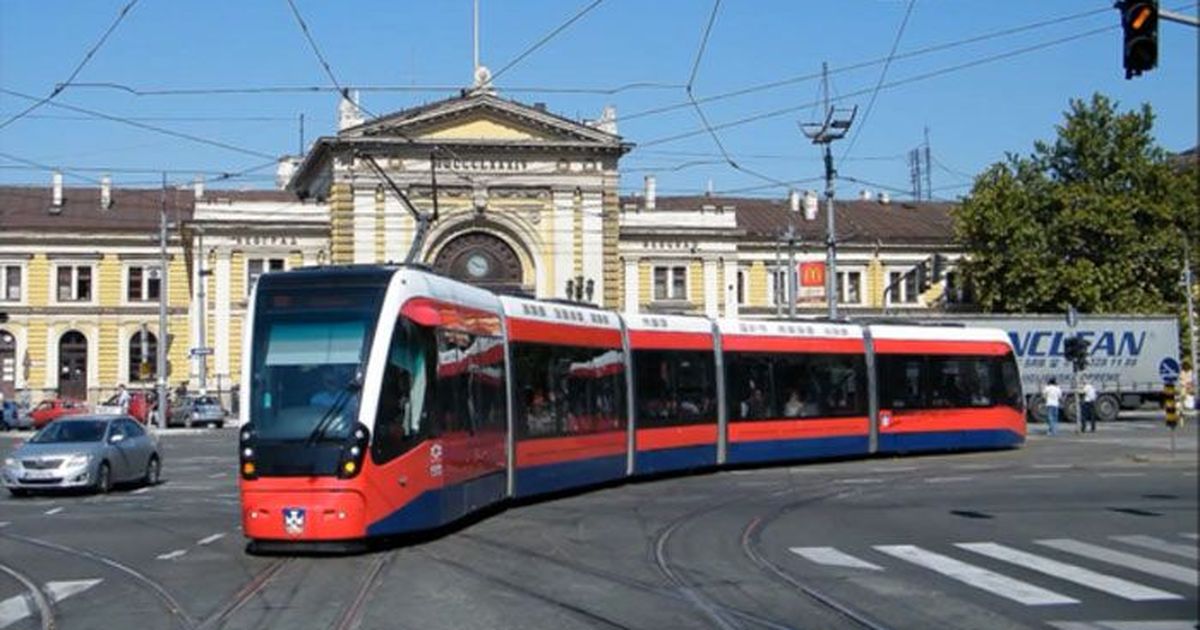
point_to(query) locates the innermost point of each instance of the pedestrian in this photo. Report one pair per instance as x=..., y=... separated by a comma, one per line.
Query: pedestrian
x=1089, y=407
x=123, y=398
x=1052, y=394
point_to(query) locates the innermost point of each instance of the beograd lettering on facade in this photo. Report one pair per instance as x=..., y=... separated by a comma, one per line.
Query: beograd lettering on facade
x=457, y=164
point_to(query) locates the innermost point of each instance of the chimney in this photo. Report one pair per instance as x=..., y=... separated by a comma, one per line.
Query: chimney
x=810, y=205
x=885, y=198
x=57, y=199
x=651, y=193
x=708, y=190
x=794, y=200
x=106, y=192
x=198, y=187
x=864, y=195
x=285, y=169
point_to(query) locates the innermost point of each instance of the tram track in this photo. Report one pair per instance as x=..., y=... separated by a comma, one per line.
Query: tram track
x=244, y=594
x=45, y=607
x=352, y=614
x=174, y=609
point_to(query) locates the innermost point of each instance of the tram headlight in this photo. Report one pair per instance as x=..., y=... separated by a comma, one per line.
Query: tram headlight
x=353, y=452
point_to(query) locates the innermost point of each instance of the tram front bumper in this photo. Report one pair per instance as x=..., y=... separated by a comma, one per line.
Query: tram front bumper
x=303, y=516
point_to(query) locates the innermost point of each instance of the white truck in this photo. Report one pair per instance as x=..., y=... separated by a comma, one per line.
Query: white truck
x=1129, y=356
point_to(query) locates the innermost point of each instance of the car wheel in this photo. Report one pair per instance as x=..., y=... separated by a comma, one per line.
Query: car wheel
x=104, y=478
x=153, y=471
x=18, y=492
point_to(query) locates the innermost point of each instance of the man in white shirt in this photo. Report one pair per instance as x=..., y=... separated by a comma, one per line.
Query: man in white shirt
x=1089, y=407
x=1052, y=394
x=123, y=399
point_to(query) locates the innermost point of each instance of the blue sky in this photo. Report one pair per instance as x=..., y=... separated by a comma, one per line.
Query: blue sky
x=974, y=114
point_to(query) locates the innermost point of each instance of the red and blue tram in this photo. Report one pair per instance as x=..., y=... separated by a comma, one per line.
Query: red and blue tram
x=383, y=400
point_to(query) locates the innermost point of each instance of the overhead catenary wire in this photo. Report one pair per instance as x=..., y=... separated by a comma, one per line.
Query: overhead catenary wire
x=882, y=75
x=770, y=85
x=312, y=44
x=314, y=89
x=888, y=85
x=78, y=67
x=546, y=38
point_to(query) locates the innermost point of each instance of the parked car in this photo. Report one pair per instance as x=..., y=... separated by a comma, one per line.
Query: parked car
x=85, y=451
x=54, y=408
x=141, y=405
x=13, y=416
x=197, y=410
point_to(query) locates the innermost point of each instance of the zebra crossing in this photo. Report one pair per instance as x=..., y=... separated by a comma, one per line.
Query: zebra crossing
x=1080, y=563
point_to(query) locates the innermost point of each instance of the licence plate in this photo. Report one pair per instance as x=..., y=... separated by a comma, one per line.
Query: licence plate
x=39, y=474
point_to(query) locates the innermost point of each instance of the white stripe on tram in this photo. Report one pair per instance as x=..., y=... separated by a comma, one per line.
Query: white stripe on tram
x=1153, y=567
x=1084, y=577
x=1158, y=544
x=832, y=557
x=990, y=581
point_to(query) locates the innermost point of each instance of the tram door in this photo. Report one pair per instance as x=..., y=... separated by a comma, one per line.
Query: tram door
x=72, y=366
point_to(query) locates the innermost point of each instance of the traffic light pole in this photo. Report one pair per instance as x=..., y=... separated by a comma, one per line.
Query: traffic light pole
x=163, y=285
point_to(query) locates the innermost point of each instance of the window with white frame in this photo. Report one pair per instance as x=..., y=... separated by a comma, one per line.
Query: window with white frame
x=10, y=283
x=256, y=267
x=850, y=287
x=904, y=288
x=779, y=286
x=74, y=283
x=670, y=283
x=742, y=287
x=143, y=283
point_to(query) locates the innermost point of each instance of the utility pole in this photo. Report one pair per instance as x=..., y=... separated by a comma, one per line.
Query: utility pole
x=790, y=235
x=835, y=126
x=163, y=285
x=202, y=325
x=1188, y=280
x=775, y=288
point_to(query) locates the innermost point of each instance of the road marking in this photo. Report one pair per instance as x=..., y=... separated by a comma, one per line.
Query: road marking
x=1122, y=474
x=859, y=480
x=1052, y=466
x=1037, y=476
x=16, y=608
x=4, y=523
x=995, y=583
x=974, y=466
x=1149, y=624
x=172, y=555
x=891, y=469
x=142, y=490
x=1127, y=560
x=53, y=511
x=1124, y=589
x=832, y=557
x=217, y=475
x=210, y=539
x=947, y=479
x=1191, y=535
x=1157, y=544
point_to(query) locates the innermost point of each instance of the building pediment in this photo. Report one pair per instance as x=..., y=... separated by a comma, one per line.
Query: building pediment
x=484, y=119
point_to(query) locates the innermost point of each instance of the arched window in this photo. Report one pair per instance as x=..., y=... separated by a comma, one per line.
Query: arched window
x=139, y=352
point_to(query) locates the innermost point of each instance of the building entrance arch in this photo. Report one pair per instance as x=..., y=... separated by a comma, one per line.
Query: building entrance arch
x=72, y=365
x=483, y=260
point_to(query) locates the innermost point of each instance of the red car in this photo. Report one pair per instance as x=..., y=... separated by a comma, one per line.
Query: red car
x=52, y=409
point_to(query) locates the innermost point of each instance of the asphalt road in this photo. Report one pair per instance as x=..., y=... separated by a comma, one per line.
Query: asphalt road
x=1094, y=531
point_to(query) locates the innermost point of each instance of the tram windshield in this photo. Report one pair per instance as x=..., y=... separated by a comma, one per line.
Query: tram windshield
x=309, y=354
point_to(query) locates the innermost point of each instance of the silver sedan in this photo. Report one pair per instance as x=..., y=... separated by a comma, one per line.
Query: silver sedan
x=83, y=452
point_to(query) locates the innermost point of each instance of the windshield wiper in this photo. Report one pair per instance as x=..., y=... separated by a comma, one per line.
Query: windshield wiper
x=343, y=397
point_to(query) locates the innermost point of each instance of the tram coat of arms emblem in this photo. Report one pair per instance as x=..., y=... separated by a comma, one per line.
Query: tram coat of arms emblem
x=293, y=521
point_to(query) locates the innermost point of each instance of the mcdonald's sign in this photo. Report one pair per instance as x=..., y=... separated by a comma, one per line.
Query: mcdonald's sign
x=812, y=274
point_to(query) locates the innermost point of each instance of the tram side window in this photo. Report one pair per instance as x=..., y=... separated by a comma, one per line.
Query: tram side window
x=751, y=392
x=470, y=383
x=675, y=387
x=783, y=386
x=564, y=390
x=947, y=382
x=405, y=396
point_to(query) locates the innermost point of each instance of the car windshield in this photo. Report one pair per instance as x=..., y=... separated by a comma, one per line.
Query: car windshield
x=206, y=400
x=71, y=431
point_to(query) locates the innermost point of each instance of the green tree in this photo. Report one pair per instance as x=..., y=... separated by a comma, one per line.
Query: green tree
x=1095, y=219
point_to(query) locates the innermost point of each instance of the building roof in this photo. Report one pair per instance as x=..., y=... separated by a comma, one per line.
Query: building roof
x=27, y=208
x=858, y=221
x=132, y=209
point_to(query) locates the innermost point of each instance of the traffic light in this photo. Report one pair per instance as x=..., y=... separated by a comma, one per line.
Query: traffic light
x=921, y=273
x=1139, y=20
x=1075, y=349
